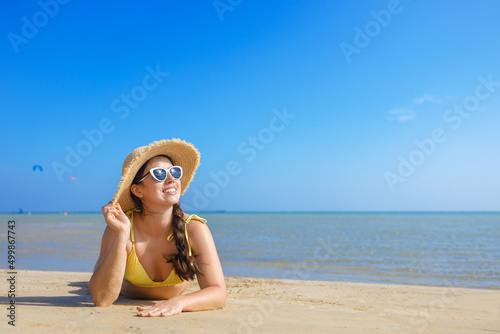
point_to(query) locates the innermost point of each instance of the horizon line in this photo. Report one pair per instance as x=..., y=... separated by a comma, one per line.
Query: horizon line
x=274, y=212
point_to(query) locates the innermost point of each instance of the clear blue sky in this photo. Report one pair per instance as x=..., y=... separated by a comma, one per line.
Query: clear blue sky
x=315, y=105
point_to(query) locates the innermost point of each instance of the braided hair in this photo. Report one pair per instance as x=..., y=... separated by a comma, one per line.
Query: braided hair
x=184, y=265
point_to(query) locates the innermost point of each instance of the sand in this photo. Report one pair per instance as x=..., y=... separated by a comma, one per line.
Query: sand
x=59, y=302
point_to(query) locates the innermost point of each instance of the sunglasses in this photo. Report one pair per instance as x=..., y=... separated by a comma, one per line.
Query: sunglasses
x=160, y=173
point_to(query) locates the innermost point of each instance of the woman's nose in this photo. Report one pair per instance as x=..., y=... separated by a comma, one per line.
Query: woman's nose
x=169, y=177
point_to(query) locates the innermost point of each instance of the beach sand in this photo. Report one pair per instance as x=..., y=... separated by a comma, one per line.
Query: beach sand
x=59, y=302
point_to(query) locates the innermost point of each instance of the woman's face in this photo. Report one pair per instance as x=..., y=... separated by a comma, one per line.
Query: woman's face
x=158, y=193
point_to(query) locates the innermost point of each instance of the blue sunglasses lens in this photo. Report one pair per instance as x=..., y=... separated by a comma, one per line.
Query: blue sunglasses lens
x=160, y=174
x=176, y=172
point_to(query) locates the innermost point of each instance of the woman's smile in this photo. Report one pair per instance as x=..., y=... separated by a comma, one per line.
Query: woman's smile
x=170, y=191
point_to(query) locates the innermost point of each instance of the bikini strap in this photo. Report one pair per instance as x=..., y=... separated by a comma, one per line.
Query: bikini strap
x=130, y=215
x=171, y=236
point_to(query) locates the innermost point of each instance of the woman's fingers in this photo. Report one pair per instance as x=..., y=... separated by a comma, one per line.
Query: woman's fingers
x=147, y=312
x=113, y=208
x=153, y=311
x=120, y=212
x=156, y=314
x=108, y=208
x=115, y=217
x=168, y=313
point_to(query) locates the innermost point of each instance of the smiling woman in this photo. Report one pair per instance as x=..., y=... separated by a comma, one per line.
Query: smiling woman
x=151, y=249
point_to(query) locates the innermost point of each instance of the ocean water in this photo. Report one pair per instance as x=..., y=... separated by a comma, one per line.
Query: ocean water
x=442, y=249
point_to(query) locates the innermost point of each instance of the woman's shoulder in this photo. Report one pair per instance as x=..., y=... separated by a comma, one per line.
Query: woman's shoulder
x=198, y=230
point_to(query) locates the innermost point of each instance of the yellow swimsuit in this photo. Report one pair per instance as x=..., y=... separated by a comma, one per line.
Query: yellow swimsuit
x=135, y=273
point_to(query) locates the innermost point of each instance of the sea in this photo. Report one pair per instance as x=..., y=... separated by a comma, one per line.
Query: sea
x=438, y=249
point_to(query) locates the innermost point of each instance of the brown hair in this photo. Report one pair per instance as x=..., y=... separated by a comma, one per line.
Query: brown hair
x=184, y=265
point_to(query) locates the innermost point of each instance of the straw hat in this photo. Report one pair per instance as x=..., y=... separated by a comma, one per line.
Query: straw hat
x=182, y=153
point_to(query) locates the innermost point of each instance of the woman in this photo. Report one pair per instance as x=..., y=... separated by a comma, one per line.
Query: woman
x=150, y=248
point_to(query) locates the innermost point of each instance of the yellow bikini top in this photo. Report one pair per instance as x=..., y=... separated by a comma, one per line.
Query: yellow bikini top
x=134, y=271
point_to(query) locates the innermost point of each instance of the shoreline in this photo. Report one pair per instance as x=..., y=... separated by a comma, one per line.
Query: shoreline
x=59, y=302
x=282, y=277
x=435, y=250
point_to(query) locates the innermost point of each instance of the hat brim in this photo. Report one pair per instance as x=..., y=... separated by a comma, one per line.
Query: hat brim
x=183, y=154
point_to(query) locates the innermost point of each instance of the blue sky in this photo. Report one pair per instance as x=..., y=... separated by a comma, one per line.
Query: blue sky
x=294, y=105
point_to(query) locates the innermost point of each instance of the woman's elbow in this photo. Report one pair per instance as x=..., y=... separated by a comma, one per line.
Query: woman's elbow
x=101, y=303
x=221, y=301
x=101, y=298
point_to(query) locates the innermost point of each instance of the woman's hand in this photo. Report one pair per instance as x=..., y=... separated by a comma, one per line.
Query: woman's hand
x=116, y=219
x=165, y=308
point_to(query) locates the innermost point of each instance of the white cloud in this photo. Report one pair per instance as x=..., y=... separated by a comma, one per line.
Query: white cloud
x=408, y=113
x=426, y=98
x=401, y=115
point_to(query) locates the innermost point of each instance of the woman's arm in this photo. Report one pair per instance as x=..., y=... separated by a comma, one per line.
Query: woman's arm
x=212, y=293
x=106, y=281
